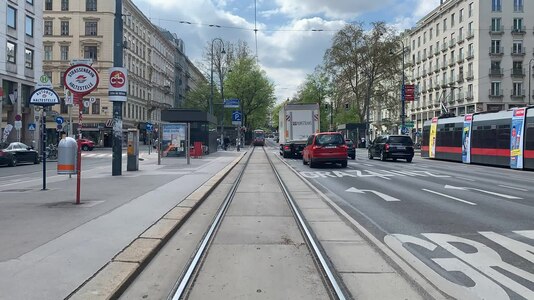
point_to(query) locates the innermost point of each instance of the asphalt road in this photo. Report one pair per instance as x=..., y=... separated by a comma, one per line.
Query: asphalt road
x=467, y=228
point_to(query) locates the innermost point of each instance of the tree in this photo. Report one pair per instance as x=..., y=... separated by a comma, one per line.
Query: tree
x=316, y=89
x=198, y=97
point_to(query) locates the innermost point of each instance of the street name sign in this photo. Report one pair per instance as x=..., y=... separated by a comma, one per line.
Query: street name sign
x=231, y=103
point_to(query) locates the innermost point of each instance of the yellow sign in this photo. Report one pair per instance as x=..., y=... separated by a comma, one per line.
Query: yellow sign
x=432, y=142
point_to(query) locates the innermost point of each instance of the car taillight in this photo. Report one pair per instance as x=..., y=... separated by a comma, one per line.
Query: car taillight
x=386, y=146
x=2, y=153
x=316, y=147
x=286, y=148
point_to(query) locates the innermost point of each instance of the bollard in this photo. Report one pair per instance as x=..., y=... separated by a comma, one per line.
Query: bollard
x=66, y=158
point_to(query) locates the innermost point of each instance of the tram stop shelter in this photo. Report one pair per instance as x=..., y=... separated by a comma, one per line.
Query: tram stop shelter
x=203, y=125
x=353, y=131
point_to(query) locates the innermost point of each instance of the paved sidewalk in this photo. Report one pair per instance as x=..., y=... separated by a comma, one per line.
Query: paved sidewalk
x=49, y=246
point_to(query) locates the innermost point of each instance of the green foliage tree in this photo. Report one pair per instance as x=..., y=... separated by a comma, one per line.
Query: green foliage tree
x=198, y=98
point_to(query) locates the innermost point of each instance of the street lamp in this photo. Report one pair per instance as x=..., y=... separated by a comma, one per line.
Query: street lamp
x=529, y=79
x=403, y=97
x=211, y=72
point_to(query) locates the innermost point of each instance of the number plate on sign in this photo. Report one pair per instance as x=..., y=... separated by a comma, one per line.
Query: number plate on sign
x=401, y=147
x=331, y=147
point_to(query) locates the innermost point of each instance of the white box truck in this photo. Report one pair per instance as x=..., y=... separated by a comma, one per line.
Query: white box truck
x=296, y=123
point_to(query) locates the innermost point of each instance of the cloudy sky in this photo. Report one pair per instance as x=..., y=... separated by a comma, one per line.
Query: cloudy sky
x=288, y=47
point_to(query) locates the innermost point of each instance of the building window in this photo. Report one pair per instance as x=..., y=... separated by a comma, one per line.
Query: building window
x=517, y=47
x=461, y=16
x=452, y=20
x=29, y=26
x=444, y=25
x=470, y=11
x=64, y=108
x=91, y=28
x=495, y=24
x=518, y=5
x=48, y=52
x=28, y=59
x=496, y=5
x=64, y=5
x=48, y=28
x=64, y=27
x=48, y=74
x=89, y=52
x=518, y=24
x=495, y=46
x=90, y=5
x=430, y=33
x=61, y=79
x=48, y=4
x=495, y=88
x=95, y=107
x=85, y=109
x=11, y=52
x=30, y=2
x=437, y=29
x=64, y=50
x=517, y=89
x=418, y=41
x=11, y=17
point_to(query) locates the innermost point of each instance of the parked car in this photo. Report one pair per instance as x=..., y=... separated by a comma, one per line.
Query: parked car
x=392, y=146
x=351, y=149
x=87, y=145
x=325, y=147
x=17, y=153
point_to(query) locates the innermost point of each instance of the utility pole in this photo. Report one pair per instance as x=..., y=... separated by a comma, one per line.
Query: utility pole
x=117, y=105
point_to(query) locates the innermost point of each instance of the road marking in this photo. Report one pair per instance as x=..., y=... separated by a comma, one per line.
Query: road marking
x=482, y=191
x=450, y=197
x=368, y=165
x=513, y=188
x=379, y=194
x=466, y=179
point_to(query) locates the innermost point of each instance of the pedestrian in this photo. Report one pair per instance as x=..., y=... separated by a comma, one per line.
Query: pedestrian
x=226, y=142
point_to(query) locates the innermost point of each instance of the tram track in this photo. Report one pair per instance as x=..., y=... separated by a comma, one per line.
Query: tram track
x=185, y=284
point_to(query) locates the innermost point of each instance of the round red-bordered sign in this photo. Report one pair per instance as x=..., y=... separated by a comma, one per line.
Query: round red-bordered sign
x=117, y=79
x=81, y=79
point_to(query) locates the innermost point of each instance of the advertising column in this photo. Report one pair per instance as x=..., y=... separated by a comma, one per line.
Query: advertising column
x=466, y=139
x=432, y=142
x=516, y=138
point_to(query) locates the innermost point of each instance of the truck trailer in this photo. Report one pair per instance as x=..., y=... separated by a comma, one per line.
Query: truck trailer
x=296, y=123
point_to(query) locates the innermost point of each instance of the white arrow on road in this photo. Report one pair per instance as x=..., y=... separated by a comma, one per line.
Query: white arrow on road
x=379, y=194
x=482, y=191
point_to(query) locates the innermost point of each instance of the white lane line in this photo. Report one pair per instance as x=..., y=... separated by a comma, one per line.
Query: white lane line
x=466, y=179
x=450, y=197
x=103, y=155
x=513, y=188
x=368, y=165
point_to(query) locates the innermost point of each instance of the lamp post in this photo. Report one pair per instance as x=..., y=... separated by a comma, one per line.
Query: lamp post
x=211, y=72
x=529, y=79
x=403, y=96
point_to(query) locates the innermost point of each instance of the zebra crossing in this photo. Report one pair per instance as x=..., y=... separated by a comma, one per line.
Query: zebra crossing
x=99, y=155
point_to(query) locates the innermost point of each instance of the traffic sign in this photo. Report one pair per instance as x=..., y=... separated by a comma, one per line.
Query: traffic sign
x=236, y=117
x=32, y=126
x=118, y=84
x=44, y=82
x=59, y=127
x=149, y=127
x=81, y=79
x=231, y=103
x=60, y=120
x=43, y=97
x=408, y=92
x=18, y=117
x=404, y=130
x=18, y=125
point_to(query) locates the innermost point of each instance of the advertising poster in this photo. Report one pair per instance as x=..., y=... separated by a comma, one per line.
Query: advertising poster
x=466, y=139
x=516, y=138
x=432, y=141
x=173, y=139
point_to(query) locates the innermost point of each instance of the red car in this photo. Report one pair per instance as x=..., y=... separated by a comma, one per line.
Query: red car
x=325, y=147
x=87, y=145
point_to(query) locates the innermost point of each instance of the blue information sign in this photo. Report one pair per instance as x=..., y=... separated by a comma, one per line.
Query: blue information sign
x=149, y=126
x=60, y=120
x=31, y=127
x=231, y=103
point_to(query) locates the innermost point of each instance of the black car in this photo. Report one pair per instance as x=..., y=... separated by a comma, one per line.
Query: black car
x=351, y=151
x=17, y=153
x=392, y=146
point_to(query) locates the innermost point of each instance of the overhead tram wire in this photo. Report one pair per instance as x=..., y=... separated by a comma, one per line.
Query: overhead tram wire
x=255, y=32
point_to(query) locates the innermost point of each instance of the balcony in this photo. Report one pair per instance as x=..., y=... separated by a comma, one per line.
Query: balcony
x=444, y=65
x=469, y=96
x=424, y=57
x=444, y=83
x=496, y=72
x=518, y=51
x=452, y=61
x=518, y=95
x=470, y=34
x=518, y=8
x=452, y=80
x=430, y=54
x=460, y=96
x=460, y=78
x=460, y=39
x=470, y=55
x=470, y=75
x=496, y=29
x=452, y=43
x=444, y=47
x=518, y=72
x=518, y=30
x=496, y=51
x=496, y=93
x=436, y=51
x=460, y=58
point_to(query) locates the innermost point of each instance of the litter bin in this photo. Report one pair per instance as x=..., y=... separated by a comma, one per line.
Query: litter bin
x=66, y=156
x=133, y=150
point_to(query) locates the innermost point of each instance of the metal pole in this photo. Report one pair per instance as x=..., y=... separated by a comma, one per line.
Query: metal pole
x=529, y=79
x=403, y=100
x=187, y=148
x=117, y=106
x=79, y=100
x=158, y=144
x=43, y=146
x=331, y=116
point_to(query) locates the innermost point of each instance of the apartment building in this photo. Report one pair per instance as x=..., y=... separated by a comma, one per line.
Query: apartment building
x=83, y=29
x=20, y=64
x=471, y=56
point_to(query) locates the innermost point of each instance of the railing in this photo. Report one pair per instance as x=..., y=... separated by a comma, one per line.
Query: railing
x=436, y=51
x=470, y=54
x=452, y=80
x=470, y=75
x=496, y=93
x=518, y=94
x=518, y=51
x=496, y=50
x=452, y=43
x=444, y=47
x=460, y=58
x=460, y=96
x=497, y=29
x=469, y=95
x=460, y=38
x=519, y=30
x=452, y=61
x=436, y=68
x=470, y=34
x=518, y=8
x=518, y=72
x=460, y=78
x=496, y=72
x=444, y=83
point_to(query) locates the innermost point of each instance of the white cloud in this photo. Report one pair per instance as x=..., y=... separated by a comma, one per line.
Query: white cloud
x=342, y=9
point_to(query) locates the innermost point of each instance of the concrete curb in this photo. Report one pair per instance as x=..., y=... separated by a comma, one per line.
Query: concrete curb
x=113, y=278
